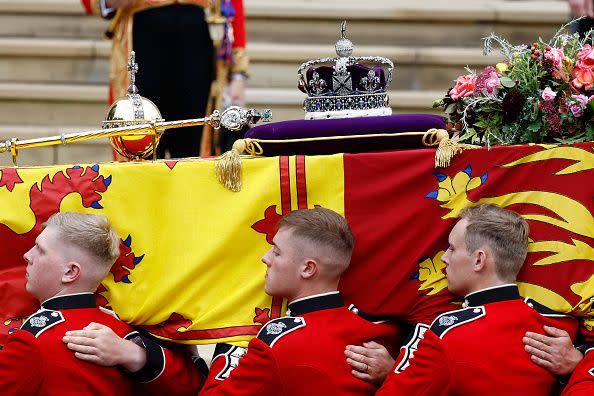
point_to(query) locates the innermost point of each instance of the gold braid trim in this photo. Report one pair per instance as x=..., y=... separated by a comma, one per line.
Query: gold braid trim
x=447, y=149
x=250, y=146
x=240, y=62
x=96, y=7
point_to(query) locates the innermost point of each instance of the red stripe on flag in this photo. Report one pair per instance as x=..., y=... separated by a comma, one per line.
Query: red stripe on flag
x=301, y=182
x=285, y=184
x=275, y=308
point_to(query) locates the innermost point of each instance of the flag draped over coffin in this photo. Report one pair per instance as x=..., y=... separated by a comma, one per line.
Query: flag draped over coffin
x=190, y=268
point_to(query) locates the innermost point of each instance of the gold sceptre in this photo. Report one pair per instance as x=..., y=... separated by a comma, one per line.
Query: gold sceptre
x=233, y=118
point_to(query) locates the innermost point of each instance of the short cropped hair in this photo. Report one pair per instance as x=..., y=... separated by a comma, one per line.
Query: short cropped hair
x=90, y=232
x=323, y=227
x=504, y=231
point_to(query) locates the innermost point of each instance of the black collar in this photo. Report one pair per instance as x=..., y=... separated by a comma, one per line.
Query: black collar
x=70, y=301
x=315, y=303
x=492, y=294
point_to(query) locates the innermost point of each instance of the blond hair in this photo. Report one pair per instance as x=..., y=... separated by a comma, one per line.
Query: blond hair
x=504, y=231
x=90, y=232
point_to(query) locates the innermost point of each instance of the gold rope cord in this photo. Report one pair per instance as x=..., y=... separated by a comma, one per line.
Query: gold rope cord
x=430, y=138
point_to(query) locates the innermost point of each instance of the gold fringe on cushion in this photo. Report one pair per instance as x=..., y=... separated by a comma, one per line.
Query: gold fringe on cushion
x=447, y=149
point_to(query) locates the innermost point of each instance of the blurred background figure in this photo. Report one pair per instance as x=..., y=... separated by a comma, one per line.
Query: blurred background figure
x=582, y=8
x=183, y=65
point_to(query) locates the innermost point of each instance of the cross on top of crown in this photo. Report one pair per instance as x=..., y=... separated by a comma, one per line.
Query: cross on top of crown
x=132, y=69
x=343, y=29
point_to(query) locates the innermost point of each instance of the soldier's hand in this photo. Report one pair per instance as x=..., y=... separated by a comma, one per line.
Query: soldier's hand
x=581, y=8
x=554, y=352
x=97, y=343
x=237, y=92
x=370, y=362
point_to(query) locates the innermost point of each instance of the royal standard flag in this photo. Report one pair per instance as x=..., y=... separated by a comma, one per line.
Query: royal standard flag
x=190, y=268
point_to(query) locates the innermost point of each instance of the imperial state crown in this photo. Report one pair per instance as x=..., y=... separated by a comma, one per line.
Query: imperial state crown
x=346, y=86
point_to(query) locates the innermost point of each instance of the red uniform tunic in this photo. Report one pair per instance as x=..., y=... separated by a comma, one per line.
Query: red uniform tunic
x=582, y=379
x=35, y=361
x=477, y=350
x=301, y=354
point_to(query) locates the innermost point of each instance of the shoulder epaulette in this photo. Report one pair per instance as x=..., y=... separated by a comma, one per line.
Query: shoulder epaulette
x=543, y=309
x=231, y=354
x=410, y=346
x=272, y=331
x=368, y=317
x=42, y=320
x=449, y=320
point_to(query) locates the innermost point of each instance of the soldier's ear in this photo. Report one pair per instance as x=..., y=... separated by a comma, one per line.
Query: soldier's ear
x=71, y=273
x=309, y=269
x=480, y=259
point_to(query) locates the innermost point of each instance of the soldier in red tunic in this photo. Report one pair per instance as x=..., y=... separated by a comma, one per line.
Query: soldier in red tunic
x=478, y=349
x=582, y=379
x=302, y=353
x=71, y=256
x=69, y=259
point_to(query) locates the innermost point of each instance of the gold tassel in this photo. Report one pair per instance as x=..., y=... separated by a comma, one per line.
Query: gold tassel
x=228, y=167
x=447, y=149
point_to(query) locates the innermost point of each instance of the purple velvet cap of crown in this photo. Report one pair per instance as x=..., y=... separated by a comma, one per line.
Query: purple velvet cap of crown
x=303, y=129
x=358, y=72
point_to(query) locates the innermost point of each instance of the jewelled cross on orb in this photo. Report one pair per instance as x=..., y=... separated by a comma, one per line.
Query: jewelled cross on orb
x=132, y=69
x=343, y=30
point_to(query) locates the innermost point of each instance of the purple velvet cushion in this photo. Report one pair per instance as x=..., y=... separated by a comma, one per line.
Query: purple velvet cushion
x=305, y=129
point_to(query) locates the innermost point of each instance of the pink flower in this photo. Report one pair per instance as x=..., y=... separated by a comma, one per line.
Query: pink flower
x=583, y=78
x=464, y=86
x=488, y=81
x=583, y=99
x=556, y=56
x=586, y=57
x=576, y=110
x=548, y=94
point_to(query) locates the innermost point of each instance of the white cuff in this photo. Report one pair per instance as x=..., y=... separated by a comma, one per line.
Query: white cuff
x=105, y=11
